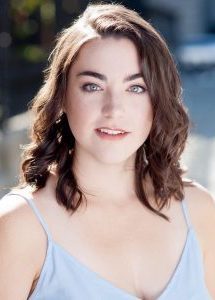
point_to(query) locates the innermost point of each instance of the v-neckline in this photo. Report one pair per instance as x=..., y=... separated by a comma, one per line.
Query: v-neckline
x=112, y=285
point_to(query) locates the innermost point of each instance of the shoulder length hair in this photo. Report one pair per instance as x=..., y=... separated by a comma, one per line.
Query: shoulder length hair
x=52, y=141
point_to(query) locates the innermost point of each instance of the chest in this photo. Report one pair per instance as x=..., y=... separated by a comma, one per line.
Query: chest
x=131, y=250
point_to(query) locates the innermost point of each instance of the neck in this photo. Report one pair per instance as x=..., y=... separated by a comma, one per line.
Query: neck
x=97, y=180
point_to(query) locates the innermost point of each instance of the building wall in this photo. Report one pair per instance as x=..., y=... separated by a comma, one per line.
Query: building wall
x=193, y=16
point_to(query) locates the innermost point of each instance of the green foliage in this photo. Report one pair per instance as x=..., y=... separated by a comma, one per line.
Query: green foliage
x=32, y=53
x=28, y=17
x=25, y=7
x=22, y=11
x=26, y=28
x=47, y=11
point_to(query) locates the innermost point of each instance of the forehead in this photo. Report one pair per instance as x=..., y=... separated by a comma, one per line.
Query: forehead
x=109, y=53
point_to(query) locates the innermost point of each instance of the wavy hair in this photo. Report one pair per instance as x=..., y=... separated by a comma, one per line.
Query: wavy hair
x=52, y=141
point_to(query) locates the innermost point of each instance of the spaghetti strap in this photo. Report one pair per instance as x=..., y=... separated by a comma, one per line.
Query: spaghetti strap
x=25, y=195
x=186, y=214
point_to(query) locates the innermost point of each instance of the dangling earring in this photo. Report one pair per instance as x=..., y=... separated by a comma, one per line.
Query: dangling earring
x=71, y=151
x=144, y=155
x=60, y=114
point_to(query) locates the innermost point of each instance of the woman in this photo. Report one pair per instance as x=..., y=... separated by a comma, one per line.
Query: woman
x=109, y=130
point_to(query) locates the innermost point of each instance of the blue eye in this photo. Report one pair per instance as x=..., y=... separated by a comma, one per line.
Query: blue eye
x=138, y=89
x=90, y=87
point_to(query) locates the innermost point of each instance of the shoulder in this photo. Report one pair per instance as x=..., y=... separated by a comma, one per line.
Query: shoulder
x=17, y=217
x=198, y=196
x=20, y=234
x=14, y=210
x=201, y=205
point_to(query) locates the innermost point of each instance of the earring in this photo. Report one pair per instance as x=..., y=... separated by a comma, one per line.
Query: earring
x=144, y=155
x=71, y=151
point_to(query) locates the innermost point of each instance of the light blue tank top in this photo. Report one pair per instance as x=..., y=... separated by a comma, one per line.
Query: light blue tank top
x=63, y=277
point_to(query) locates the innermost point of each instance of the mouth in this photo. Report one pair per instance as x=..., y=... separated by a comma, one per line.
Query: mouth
x=111, y=134
x=112, y=130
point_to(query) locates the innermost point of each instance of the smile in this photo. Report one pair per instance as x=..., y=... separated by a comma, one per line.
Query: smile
x=111, y=134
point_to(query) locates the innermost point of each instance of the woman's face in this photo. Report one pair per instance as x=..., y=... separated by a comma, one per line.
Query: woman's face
x=105, y=90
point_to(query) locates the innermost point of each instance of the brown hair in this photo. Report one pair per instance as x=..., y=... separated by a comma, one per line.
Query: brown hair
x=52, y=140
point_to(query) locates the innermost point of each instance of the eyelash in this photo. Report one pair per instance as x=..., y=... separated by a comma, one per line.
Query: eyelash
x=84, y=88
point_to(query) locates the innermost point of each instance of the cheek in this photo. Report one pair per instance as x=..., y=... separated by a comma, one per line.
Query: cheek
x=144, y=114
x=79, y=116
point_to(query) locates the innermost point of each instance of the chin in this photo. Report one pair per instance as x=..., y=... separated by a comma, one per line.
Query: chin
x=114, y=158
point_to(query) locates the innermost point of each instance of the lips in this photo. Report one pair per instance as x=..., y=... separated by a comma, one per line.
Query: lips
x=110, y=136
x=112, y=128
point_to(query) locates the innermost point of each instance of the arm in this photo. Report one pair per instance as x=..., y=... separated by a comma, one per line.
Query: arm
x=19, y=258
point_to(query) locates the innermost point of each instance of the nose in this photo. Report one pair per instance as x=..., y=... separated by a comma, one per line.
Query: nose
x=112, y=106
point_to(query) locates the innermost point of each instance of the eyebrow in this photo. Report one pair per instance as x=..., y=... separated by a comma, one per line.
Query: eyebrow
x=104, y=78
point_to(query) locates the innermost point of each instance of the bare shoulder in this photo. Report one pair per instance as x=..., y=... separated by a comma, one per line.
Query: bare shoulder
x=201, y=206
x=20, y=234
x=18, y=219
x=14, y=210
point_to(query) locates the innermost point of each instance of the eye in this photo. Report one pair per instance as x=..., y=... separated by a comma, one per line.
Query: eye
x=90, y=87
x=138, y=89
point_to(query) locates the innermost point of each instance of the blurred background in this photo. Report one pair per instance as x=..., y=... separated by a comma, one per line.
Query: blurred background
x=27, y=32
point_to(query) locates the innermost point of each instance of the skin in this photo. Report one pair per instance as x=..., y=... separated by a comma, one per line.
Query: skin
x=112, y=102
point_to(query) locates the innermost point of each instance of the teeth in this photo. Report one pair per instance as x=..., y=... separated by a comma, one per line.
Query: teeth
x=109, y=131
